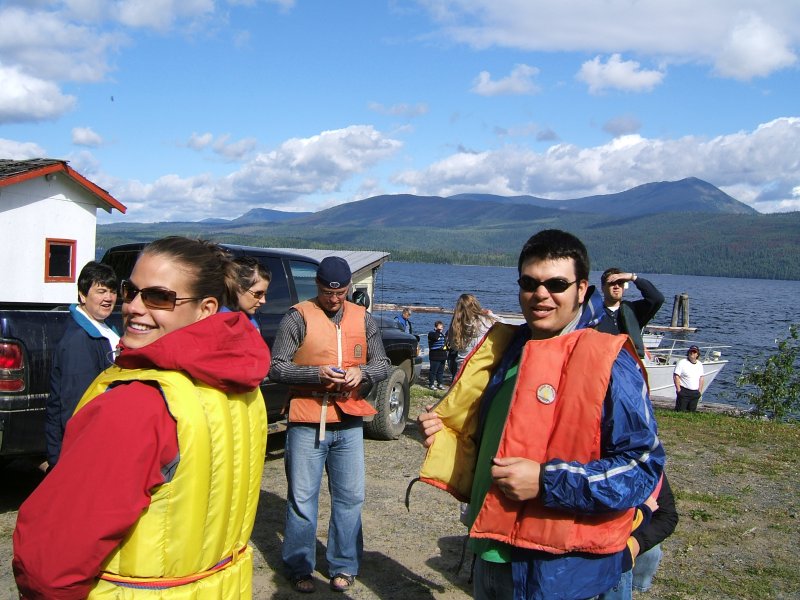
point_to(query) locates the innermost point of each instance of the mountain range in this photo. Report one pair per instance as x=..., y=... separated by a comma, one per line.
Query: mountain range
x=687, y=226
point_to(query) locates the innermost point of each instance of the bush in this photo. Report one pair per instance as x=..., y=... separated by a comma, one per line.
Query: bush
x=777, y=381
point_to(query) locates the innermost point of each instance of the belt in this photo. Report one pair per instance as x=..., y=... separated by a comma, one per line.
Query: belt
x=163, y=583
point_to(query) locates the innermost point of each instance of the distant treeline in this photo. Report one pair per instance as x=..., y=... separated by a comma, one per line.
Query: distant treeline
x=751, y=246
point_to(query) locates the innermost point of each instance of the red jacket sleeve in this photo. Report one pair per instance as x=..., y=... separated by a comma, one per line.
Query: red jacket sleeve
x=115, y=451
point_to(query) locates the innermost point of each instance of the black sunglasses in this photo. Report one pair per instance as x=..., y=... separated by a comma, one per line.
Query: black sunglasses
x=257, y=295
x=556, y=285
x=156, y=298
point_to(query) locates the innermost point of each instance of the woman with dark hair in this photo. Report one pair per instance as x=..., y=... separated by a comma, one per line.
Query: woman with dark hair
x=160, y=470
x=250, y=283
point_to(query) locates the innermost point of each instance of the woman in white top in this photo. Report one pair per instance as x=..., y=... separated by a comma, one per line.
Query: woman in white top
x=469, y=324
x=688, y=378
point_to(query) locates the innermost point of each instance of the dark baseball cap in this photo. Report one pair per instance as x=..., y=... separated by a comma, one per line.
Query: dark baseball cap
x=694, y=349
x=333, y=272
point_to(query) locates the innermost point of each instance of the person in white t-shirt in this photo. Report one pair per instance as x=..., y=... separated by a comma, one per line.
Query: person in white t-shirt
x=688, y=378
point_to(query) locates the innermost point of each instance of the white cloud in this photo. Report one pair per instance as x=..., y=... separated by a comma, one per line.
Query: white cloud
x=282, y=178
x=85, y=136
x=622, y=125
x=519, y=81
x=234, y=150
x=753, y=161
x=754, y=49
x=407, y=111
x=14, y=150
x=618, y=74
x=27, y=98
x=198, y=141
x=712, y=32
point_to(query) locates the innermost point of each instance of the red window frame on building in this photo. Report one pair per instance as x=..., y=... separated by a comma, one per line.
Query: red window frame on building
x=57, y=272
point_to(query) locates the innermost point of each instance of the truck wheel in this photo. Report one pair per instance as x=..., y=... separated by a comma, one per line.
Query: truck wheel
x=391, y=402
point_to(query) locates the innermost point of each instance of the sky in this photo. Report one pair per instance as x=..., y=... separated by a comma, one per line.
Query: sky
x=192, y=109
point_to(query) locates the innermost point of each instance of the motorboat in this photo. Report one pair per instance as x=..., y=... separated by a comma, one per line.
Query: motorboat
x=660, y=363
x=652, y=339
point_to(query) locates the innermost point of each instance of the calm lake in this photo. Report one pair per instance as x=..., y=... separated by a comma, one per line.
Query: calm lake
x=748, y=315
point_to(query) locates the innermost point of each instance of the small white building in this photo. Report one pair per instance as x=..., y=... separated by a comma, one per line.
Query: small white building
x=48, y=220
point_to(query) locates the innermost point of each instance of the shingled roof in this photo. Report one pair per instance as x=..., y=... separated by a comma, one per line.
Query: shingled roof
x=17, y=171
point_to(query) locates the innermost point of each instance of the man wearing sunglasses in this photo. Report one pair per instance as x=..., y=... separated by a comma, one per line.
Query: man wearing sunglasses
x=549, y=434
x=623, y=316
x=325, y=349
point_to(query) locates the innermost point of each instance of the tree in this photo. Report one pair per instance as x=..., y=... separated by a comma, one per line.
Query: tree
x=777, y=380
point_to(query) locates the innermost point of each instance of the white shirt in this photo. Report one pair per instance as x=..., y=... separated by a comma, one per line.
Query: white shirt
x=689, y=373
x=102, y=329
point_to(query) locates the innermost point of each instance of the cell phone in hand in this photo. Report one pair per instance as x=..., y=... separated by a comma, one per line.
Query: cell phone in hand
x=337, y=370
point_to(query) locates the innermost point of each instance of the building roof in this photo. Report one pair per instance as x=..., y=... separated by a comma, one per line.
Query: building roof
x=359, y=260
x=17, y=171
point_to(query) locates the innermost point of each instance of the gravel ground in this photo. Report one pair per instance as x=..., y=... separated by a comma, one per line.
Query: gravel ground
x=738, y=497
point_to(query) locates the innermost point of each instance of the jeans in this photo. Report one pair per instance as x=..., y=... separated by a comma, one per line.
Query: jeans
x=342, y=455
x=436, y=372
x=492, y=581
x=639, y=579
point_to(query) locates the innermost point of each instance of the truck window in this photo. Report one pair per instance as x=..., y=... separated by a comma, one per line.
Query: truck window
x=304, y=275
x=279, y=296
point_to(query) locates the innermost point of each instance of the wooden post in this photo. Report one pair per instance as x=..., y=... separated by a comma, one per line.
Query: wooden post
x=680, y=311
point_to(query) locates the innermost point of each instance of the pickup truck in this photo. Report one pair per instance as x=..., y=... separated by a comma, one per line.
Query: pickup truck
x=29, y=333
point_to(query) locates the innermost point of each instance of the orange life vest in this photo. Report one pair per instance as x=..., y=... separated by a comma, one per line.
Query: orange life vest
x=553, y=400
x=326, y=343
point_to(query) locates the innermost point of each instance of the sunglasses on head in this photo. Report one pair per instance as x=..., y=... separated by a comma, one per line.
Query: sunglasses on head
x=556, y=285
x=156, y=298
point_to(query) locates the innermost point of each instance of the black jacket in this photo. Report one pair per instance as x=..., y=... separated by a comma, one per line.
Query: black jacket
x=633, y=316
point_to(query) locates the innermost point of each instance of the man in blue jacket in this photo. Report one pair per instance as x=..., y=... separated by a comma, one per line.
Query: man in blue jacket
x=550, y=433
x=85, y=349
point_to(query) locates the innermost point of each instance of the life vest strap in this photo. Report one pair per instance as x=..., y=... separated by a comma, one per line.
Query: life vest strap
x=163, y=583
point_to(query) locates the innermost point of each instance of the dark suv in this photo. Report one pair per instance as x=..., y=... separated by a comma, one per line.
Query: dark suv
x=293, y=280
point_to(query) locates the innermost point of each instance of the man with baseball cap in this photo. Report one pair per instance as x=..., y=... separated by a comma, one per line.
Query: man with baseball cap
x=688, y=377
x=325, y=349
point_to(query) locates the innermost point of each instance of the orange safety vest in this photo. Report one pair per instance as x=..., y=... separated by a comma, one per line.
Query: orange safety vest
x=553, y=398
x=326, y=343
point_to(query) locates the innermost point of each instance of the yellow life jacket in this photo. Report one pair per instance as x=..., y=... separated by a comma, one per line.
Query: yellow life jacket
x=325, y=343
x=552, y=399
x=190, y=543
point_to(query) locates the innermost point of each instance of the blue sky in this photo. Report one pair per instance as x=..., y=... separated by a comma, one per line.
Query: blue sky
x=189, y=109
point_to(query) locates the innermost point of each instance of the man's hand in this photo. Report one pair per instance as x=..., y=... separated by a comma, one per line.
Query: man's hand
x=327, y=374
x=620, y=277
x=517, y=478
x=429, y=423
x=352, y=378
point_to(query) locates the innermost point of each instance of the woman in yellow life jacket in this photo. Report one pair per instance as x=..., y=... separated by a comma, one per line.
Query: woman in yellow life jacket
x=160, y=472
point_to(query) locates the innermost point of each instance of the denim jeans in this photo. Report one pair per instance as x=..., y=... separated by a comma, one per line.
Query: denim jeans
x=639, y=579
x=436, y=372
x=492, y=581
x=341, y=453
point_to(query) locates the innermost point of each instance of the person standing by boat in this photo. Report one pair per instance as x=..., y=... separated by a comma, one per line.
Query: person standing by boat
x=689, y=380
x=623, y=316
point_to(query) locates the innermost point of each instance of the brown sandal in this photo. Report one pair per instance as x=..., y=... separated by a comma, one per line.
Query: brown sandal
x=342, y=582
x=303, y=584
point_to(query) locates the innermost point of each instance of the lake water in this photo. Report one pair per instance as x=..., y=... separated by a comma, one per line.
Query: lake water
x=748, y=315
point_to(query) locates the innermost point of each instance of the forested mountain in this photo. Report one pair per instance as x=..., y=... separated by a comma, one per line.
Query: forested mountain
x=708, y=233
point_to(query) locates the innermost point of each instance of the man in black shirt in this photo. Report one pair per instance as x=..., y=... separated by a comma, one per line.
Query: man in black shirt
x=623, y=316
